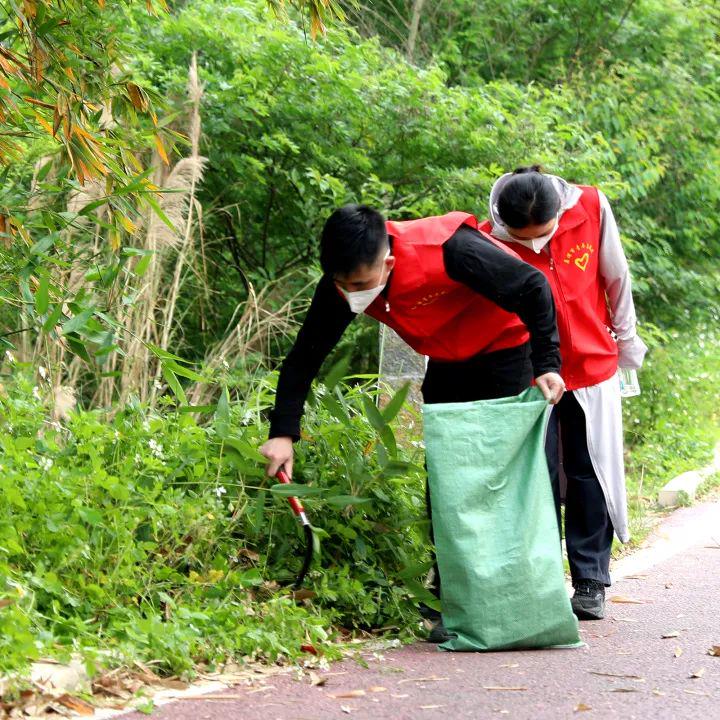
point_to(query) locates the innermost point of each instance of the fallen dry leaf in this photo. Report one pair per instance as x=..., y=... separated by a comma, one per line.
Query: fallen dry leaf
x=624, y=690
x=627, y=600
x=714, y=651
x=308, y=648
x=696, y=692
x=697, y=674
x=678, y=652
x=658, y=692
x=672, y=634
x=77, y=705
x=377, y=689
x=404, y=695
x=582, y=707
x=510, y=665
x=264, y=688
x=349, y=694
x=234, y=696
x=431, y=678
x=616, y=675
x=303, y=594
x=637, y=576
x=316, y=680
x=431, y=707
x=500, y=687
x=345, y=709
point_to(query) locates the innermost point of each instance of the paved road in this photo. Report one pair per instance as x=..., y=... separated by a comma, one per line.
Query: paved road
x=628, y=670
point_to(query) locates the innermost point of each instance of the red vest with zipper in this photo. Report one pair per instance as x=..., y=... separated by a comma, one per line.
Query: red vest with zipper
x=589, y=353
x=434, y=314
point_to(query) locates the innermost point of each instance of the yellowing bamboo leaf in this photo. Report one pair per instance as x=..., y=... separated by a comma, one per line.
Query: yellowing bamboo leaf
x=678, y=652
x=101, y=3
x=128, y=224
x=137, y=97
x=714, y=651
x=672, y=634
x=4, y=83
x=45, y=124
x=582, y=707
x=349, y=694
x=69, y=72
x=161, y=149
x=697, y=674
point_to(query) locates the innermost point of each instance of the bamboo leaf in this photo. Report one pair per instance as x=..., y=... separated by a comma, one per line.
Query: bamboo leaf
x=222, y=415
x=174, y=384
x=395, y=405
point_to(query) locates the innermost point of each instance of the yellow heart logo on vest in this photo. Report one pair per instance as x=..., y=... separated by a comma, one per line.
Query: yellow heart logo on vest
x=582, y=262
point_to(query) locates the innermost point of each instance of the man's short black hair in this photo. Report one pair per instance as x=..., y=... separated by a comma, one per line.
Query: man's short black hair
x=353, y=236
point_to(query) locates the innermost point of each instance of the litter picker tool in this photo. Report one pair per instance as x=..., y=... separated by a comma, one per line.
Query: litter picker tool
x=299, y=512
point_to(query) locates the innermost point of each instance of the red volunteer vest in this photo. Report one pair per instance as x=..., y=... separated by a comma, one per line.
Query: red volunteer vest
x=435, y=315
x=589, y=354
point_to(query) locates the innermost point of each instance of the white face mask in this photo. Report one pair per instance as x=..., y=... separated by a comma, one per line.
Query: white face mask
x=538, y=243
x=360, y=300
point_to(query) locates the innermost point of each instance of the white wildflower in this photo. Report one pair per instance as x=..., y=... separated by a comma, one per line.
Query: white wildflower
x=43, y=371
x=220, y=491
x=45, y=463
x=155, y=448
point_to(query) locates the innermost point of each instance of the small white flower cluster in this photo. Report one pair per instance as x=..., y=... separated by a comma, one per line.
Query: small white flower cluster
x=220, y=491
x=45, y=463
x=156, y=448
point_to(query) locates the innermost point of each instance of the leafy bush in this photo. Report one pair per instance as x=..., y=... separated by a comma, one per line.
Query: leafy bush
x=148, y=535
x=674, y=425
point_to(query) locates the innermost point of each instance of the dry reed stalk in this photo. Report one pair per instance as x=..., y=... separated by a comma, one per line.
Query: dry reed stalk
x=257, y=326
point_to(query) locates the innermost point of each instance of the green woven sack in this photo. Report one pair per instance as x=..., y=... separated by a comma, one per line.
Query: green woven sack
x=496, y=535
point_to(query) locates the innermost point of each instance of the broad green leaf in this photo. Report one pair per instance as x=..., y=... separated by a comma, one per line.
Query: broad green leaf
x=77, y=322
x=245, y=449
x=337, y=372
x=295, y=490
x=185, y=372
x=222, y=415
x=422, y=594
x=409, y=572
x=388, y=438
x=395, y=405
x=42, y=298
x=373, y=414
x=53, y=318
x=174, y=383
x=344, y=500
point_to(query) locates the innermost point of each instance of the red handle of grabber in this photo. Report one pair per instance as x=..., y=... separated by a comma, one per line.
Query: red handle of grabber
x=295, y=504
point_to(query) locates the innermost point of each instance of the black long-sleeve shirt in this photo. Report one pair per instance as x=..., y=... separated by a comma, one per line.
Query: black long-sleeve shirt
x=469, y=258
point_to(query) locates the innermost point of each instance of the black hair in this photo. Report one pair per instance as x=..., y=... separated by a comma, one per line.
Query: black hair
x=353, y=236
x=528, y=198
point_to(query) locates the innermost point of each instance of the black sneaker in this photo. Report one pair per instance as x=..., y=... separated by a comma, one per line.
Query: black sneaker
x=588, y=603
x=438, y=633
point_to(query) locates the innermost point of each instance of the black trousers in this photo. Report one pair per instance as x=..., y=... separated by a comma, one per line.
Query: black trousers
x=588, y=528
x=483, y=377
